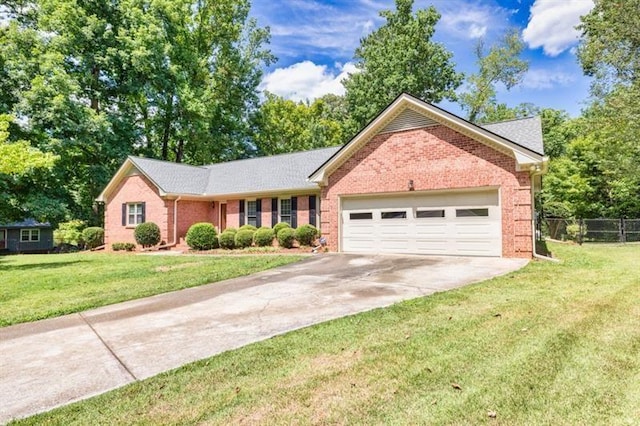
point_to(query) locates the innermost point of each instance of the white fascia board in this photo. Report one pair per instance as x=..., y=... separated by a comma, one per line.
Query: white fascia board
x=523, y=156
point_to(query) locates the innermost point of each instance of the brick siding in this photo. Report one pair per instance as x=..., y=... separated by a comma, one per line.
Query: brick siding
x=435, y=158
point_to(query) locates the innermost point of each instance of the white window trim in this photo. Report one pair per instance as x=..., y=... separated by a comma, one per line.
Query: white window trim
x=31, y=232
x=280, y=209
x=246, y=211
x=135, y=215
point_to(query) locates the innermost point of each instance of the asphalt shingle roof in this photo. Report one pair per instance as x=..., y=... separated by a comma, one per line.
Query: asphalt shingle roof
x=276, y=172
x=27, y=223
x=174, y=178
x=526, y=132
x=286, y=171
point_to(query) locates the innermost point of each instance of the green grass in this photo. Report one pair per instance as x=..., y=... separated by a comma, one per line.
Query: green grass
x=550, y=344
x=34, y=287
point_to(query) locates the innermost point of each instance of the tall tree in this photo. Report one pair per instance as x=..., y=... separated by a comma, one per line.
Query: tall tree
x=609, y=47
x=287, y=126
x=501, y=64
x=400, y=57
x=94, y=81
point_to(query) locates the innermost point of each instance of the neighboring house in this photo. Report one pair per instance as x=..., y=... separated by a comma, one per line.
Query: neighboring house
x=28, y=236
x=416, y=179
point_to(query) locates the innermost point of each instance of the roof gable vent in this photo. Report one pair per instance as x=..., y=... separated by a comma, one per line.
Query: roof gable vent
x=408, y=119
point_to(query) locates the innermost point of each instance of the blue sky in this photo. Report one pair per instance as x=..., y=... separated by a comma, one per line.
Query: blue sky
x=314, y=41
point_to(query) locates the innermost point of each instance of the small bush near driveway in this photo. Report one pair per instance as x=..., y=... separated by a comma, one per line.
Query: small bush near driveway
x=147, y=234
x=286, y=237
x=244, y=238
x=306, y=234
x=264, y=236
x=202, y=236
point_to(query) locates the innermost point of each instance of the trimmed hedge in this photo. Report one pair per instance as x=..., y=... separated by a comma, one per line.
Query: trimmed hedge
x=227, y=239
x=147, y=234
x=280, y=225
x=93, y=236
x=202, y=236
x=123, y=246
x=244, y=238
x=248, y=228
x=264, y=236
x=306, y=234
x=286, y=236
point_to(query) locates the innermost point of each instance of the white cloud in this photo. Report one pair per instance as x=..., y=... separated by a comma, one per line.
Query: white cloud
x=306, y=80
x=552, y=24
x=540, y=79
x=470, y=20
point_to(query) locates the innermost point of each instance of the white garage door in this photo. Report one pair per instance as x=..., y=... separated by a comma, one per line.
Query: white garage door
x=467, y=224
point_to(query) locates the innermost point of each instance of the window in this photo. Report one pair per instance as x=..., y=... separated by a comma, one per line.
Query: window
x=285, y=210
x=360, y=216
x=252, y=213
x=420, y=214
x=29, y=235
x=135, y=214
x=394, y=215
x=472, y=212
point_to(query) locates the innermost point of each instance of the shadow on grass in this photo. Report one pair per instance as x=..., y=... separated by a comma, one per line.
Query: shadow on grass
x=6, y=266
x=541, y=248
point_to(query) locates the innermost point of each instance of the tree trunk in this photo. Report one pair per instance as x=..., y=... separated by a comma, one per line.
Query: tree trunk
x=179, y=151
x=95, y=74
x=167, y=129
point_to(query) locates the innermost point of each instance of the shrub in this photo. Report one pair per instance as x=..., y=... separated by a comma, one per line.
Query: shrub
x=231, y=230
x=286, y=237
x=227, y=239
x=264, y=236
x=93, y=236
x=69, y=233
x=244, y=238
x=573, y=232
x=123, y=246
x=306, y=234
x=147, y=234
x=248, y=228
x=279, y=226
x=202, y=236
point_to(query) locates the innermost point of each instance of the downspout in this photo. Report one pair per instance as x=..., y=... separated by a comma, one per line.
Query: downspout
x=175, y=227
x=536, y=171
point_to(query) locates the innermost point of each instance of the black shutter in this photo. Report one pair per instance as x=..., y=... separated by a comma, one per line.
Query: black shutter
x=312, y=210
x=124, y=214
x=294, y=212
x=241, y=210
x=144, y=212
x=274, y=211
x=258, y=213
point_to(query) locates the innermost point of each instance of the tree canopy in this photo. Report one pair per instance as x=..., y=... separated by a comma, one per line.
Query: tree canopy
x=501, y=64
x=400, y=56
x=93, y=82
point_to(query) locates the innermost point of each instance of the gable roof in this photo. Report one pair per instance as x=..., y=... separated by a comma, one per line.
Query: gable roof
x=521, y=139
x=276, y=173
x=264, y=174
x=505, y=137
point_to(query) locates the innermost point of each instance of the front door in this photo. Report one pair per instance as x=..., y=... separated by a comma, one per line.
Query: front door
x=3, y=239
x=223, y=216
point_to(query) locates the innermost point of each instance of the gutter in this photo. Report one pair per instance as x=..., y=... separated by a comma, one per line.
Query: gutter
x=536, y=171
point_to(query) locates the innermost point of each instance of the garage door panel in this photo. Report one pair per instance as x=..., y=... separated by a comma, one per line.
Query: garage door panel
x=455, y=224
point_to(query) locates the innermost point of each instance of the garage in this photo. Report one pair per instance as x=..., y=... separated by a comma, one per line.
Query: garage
x=448, y=223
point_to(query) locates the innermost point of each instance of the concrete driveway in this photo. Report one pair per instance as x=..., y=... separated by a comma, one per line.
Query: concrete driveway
x=53, y=362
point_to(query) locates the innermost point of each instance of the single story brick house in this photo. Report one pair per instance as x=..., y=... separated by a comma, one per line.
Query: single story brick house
x=416, y=179
x=27, y=236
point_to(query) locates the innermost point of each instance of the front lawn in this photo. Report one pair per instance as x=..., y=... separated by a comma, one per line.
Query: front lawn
x=34, y=287
x=550, y=344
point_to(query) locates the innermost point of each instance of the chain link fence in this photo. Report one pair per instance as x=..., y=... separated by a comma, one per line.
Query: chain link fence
x=590, y=230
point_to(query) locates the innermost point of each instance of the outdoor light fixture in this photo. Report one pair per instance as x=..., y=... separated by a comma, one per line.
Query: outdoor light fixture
x=410, y=185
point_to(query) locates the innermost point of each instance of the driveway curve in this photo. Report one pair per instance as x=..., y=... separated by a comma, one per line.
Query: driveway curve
x=53, y=362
